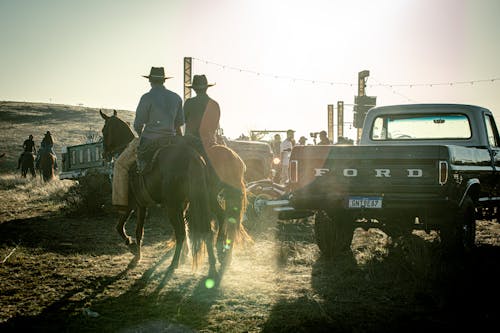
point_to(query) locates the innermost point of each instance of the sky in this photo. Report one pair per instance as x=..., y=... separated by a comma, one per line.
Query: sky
x=276, y=64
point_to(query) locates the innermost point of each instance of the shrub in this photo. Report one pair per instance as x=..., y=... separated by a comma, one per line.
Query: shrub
x=90, y=196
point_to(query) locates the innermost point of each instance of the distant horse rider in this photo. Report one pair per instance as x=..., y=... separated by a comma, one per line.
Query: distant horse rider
x=159, y=115
x=47, y=145
x=28, y=147
x=202, y=115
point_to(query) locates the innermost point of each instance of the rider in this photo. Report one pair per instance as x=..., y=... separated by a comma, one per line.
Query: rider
x=29, y=147
x=158, y=115
x=202, y=115
x=47, y=145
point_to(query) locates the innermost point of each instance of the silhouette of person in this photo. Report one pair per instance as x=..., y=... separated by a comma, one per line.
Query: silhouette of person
x=28, y=147
x=302, y=140
x=323, y=139
x=158, y=115
x=202, y=115
x=47, y=145
x=286, y=151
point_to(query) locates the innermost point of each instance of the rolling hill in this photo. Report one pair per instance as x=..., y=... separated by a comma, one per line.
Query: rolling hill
x=69, y=125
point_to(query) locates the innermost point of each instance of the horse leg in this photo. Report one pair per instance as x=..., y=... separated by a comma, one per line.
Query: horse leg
x=176, y=218
x=209, y=241
x=120, y=228
x=139, y=231
x=221, y=234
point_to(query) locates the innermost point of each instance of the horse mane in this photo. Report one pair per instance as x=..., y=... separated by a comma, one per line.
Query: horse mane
x=123, y=129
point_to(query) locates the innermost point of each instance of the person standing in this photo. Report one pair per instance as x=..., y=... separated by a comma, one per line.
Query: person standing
x=286, y=151
x=158, y=115
x=302, y=141
x=28, y=147
x=202, y=115
x=323, y=139
x=276, y=145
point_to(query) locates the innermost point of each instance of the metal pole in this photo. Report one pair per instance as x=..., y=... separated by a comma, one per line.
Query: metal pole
x=330, y=122
x=340, y=119
x=362, y=92
x=187, y=77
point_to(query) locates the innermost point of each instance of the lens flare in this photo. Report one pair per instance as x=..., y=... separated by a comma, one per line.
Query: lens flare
x=209, y=283
x=232, y=220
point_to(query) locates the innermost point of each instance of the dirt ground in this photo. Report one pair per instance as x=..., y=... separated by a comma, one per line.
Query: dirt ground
x=71, y=274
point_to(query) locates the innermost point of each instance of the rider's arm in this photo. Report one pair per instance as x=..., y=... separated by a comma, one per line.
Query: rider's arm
x=141, y=115
x=179, y=118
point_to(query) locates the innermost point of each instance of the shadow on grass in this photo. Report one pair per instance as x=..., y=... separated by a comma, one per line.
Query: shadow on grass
x=412, y=288
x=85, y=235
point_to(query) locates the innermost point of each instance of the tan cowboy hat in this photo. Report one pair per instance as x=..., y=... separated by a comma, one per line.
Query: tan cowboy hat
x=157, y=73
x=200, y=81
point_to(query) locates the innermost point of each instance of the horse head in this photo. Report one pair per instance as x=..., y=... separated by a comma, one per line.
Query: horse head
x=116, y=134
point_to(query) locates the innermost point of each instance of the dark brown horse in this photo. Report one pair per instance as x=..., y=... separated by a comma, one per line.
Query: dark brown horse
x=46, y=165
x=180, y=181
x=28, y=164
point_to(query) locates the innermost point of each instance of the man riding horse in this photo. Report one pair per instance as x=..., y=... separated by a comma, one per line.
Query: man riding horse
x=202, y=116
x=159, y=116
x=28, y=148
x=46, y=146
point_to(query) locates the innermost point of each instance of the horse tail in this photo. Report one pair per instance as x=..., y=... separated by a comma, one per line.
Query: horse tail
x=198, y=214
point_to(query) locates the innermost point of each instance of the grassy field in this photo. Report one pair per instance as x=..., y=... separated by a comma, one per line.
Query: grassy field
x=61, y=272
x=69, y=125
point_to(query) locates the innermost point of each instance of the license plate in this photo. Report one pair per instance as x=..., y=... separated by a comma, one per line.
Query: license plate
x=365, y=202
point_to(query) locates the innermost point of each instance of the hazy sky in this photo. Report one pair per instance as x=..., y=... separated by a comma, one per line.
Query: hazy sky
x=308, y=54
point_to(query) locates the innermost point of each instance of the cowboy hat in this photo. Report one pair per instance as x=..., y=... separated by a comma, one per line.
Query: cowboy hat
x=200, y=81
x=157, y=73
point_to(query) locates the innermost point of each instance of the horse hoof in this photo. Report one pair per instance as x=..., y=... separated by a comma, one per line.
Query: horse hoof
x=133, y=263
x=133, y=248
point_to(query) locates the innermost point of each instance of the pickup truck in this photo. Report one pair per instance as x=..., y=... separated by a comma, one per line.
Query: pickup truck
x=420, y=166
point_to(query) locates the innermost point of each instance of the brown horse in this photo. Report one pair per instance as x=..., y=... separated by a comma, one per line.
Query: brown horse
x=229, y=188
x=46, y=165
x=180, y=181
x=28, y=164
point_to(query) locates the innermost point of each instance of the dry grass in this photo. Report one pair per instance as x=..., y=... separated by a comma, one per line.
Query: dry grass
x=61, y=273
x=69, y=125
x=27, y=197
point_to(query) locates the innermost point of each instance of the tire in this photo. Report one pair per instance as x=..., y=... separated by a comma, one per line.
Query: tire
x=258, y=217
x=459, y=235
x=333, y=235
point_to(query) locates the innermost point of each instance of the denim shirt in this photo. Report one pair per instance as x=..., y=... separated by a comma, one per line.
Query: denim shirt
x=159, y=113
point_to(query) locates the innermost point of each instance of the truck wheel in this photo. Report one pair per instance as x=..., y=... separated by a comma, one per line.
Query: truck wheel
x=258, y=215
x=333, y=235
x=459, y=235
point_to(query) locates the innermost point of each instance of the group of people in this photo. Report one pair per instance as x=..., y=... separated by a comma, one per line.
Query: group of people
x=159, y=117
x=29, y=147
x=283, y=150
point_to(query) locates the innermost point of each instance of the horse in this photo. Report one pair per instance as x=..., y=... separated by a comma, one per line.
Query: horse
x=28, y=164
x=180, y=181
x=46, y=165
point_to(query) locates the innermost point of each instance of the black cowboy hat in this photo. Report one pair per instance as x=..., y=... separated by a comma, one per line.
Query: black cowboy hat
x=157, y=73
x=200, y=81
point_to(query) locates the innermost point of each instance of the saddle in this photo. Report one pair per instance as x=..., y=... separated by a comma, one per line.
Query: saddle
x=138, y=188
x=146, y=158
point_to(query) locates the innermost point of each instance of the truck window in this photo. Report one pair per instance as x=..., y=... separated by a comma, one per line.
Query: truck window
x=421, y=127
x=491, y=130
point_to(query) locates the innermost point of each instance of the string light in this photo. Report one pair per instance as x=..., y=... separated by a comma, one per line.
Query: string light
x=350, y=84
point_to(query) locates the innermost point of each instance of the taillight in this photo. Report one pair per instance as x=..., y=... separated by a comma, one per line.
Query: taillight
x=294, y=172
x=443, y=172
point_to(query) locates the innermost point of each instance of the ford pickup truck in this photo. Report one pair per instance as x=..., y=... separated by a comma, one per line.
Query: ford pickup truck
x=420, y=166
